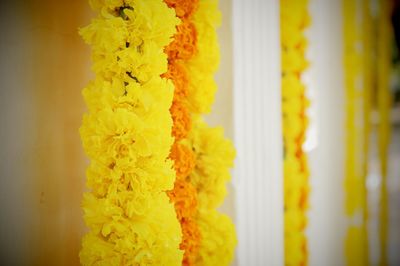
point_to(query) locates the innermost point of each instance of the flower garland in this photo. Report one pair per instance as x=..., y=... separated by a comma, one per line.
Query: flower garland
x=213, y=153
x=201, y=154
x=358, y=86
x=294, y=20
x=184, y=194
x=214, y=157
x=385, y=37
x=127, y=136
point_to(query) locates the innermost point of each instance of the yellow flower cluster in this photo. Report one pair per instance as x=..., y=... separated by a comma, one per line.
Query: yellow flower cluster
x=214, y=157
x=127, y=136
x=358, y=86
x=384, y=104
x=294, y=20
x=201, y=68
x=218, y=240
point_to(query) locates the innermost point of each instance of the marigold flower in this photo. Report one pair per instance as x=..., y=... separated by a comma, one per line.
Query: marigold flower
x=218, y=238
x=183, y=8
x=184, y=45
x=214, y=157
x=184, y=160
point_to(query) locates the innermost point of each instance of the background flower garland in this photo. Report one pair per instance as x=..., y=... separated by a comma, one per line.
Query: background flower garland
x=384, y=104
x=358, y=85
x=294, y=20
x=213, y=153
x=127, y=135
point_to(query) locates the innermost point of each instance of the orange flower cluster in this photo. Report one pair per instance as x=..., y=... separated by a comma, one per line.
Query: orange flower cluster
x=184, y=160
x=184, y=194
x=179, y=109
x=184, y=8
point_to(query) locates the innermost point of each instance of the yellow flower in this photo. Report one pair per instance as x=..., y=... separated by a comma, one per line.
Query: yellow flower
x=214, y=157
x=116, y=239
x=202, y=66
x=106, y=36
x=218, y=239
x=293, y=61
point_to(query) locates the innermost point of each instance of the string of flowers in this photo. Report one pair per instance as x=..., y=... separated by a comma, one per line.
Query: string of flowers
x=214, y=157
x=184, y=194
x=214, y=154
x=384, y=60
x=294, y=20
x=358, y=86
x=127, y=136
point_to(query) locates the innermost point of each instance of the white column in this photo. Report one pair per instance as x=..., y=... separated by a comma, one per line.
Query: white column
x=326, y=228
x=257, y=132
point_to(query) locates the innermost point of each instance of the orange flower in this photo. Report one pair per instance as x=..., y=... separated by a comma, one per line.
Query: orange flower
x=190, y=241
x=184, y=160
x=184, y=196
x=183, y=8
x=177, y=73
x=179, y=110
x=184, y=45
x=181, y=120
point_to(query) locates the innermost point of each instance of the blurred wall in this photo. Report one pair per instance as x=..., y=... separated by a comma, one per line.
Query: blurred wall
x=257, y=124
x=44, y=66
x=326, y=227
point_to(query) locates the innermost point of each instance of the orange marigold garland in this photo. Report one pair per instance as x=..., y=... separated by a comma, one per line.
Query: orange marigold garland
x=184, y=195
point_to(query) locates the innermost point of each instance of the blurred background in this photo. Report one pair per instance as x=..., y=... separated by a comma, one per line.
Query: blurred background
x=44, y=67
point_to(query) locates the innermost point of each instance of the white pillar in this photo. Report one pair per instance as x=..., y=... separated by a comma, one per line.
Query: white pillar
x=326, y=228
x=257, y=132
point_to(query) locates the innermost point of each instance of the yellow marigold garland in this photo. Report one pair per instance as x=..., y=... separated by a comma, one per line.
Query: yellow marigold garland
x=127, y=136
x=214, y=157
x=358, y=85
x=384, y=60
x=201, y=68
x=213, y=153
x=294, y=20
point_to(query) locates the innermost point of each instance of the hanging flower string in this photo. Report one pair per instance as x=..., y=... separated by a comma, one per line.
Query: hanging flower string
x=294, y=20
x=384, y=104
x=358, y=81
x=184, y=195
x=201, y=154
x=214, y=154
x=127, y=136
x=214, y=157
